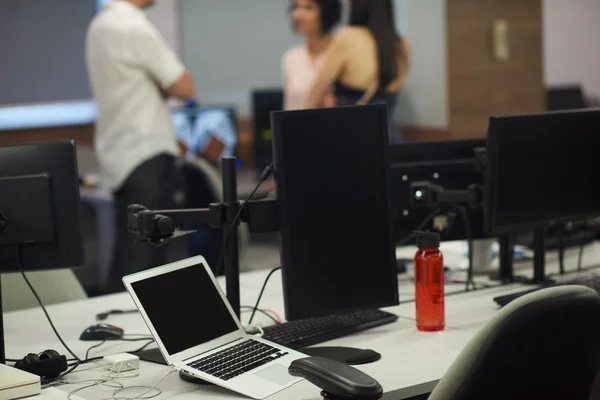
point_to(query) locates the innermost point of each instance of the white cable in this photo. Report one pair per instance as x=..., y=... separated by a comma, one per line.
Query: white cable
x=119, y=372
x=143, y=395
x=109, y=380
x=96, y=383
x=261, y=331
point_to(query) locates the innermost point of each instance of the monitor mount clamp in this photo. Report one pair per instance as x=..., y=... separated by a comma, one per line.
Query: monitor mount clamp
x=158, y=227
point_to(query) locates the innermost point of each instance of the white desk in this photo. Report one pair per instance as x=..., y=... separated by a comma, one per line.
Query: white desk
x=412, y=361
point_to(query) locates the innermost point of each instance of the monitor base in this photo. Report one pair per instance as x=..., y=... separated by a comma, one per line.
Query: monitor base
x=495, y=276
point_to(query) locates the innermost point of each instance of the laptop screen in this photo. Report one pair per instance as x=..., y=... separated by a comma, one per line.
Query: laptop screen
x=185, y=308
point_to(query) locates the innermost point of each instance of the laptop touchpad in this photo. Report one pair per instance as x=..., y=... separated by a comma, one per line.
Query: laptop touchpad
x=277, y=374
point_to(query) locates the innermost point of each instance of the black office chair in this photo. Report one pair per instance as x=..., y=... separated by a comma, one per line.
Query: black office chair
x=545, y=345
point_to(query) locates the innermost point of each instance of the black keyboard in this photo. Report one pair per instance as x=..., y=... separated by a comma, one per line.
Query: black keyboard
x=308, y=332
x=591, y=281
x=237, y=360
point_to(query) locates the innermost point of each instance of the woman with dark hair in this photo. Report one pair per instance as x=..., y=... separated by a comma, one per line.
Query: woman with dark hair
x=314, y=19
x=367, y=62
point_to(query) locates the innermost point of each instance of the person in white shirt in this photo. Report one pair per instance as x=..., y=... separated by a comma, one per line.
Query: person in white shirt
x=314, y=19
x=132, y=73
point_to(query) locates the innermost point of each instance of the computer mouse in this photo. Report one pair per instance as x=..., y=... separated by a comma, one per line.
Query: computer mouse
x=102, y=332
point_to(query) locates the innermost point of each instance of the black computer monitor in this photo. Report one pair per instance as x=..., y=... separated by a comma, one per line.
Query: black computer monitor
x=39, y=197
x=39, y=207
x=452, y=165
x=562, y=98
x=337, y=250
x=541, y=168
x=263, y=103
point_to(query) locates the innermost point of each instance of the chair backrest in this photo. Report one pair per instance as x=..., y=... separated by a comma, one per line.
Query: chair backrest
x=545, y=345
x=201, y=183
x=53, y=287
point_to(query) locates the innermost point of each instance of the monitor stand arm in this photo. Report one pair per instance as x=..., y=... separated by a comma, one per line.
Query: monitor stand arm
x=160, y=226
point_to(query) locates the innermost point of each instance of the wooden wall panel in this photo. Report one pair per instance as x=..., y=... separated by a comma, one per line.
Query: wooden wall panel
x=83, y=135
x=479, y=85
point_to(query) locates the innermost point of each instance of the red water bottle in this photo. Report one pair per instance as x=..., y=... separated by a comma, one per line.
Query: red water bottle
x=429, y=283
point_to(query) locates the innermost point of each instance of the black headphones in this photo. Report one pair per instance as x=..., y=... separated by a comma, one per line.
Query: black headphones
x=48, y=364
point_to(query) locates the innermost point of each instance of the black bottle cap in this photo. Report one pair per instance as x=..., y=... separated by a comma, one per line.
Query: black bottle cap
x=428, y=239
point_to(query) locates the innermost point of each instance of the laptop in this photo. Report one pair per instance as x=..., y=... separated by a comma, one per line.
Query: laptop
x=198, y=333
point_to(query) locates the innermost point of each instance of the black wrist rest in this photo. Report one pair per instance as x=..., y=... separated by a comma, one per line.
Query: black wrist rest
x=338, y=380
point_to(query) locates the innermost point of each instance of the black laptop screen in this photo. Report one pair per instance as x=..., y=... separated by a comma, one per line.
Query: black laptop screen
x=185, y=308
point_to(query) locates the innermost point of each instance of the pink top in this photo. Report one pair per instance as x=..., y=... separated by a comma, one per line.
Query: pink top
x=299, y=73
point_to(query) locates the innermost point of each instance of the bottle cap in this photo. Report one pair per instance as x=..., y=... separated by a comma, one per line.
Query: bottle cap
x=427, y=239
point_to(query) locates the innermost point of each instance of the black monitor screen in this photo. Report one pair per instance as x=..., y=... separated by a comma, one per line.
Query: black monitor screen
x=169, y=300
x=263, y=103
x=39, y=197
x=564, y=98
x=332, y=187
x=542, y=168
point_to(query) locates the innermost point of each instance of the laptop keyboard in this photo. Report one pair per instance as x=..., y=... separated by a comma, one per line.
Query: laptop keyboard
x=237, y=360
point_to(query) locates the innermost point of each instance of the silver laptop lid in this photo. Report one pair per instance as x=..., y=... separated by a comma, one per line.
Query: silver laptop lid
x=184, y=308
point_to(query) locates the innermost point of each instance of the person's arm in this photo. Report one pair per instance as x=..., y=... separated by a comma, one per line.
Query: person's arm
x=335, y=60
x=183, y=88
x=153, y=55
x=405, y=66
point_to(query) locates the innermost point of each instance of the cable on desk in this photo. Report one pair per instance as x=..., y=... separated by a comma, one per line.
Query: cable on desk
x=264, y=312
x=89, y=360
x=142, y=348
x=87, y=353
x=42, y=305
x=104, y=315
x=263, y=177
x=268, y=310
x=262, y=291
x=143, y=395
x=109, y=380
x=465, y=216
x=46, y=382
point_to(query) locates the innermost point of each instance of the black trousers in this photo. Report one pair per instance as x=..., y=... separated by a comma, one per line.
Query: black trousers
x=153, y=185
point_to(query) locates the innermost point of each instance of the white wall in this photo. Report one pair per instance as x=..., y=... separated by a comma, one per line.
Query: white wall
x=234, y=46
x=166, y=15
x=424, y=100
x=571, y=49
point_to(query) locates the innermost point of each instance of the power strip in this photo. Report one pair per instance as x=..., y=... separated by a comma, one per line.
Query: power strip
x=123, y=362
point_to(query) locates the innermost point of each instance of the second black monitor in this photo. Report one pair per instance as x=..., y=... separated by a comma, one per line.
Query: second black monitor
x=541, y=168
x=332, y=188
